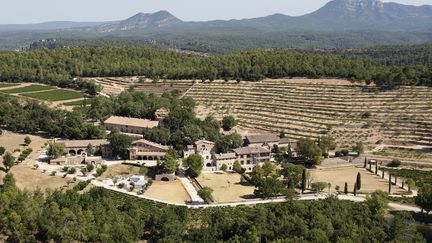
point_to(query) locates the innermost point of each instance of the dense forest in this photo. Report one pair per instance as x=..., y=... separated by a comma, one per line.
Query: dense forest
x=31, y=116
x=105, y=216
x=385, y=55
x=65, y=64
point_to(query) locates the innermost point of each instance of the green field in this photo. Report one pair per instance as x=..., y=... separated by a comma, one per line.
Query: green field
x=7, y=85
x=77, y=103
x=30, y=88
x=56, y=95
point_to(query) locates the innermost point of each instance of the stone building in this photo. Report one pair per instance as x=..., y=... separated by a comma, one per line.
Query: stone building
x=146, y=150
x=129, y=125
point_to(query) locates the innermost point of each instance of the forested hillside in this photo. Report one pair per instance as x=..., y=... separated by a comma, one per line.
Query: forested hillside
x=386, y=55
x=106, y=216
x=65, y=64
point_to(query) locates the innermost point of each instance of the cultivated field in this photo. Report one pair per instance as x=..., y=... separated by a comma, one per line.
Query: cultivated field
x=55, y=95
x=226, y=186
x=338, y=176
x=4, y=85
x=29, y=88
x=171, y=191
x=312, y=108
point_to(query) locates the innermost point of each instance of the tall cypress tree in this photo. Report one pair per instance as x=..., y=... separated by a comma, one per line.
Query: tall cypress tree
x=365, y=162
x=358, y=181
x=303, y=181
x=376, y=168
x=346, y=188
x=390, y=183
x=355, y=189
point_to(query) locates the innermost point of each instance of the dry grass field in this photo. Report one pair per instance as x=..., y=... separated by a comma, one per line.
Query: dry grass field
x=171, y=191
x=338, y=177
x=119, y=170
x=27, y=178
x=25, y=175
x=226, y=186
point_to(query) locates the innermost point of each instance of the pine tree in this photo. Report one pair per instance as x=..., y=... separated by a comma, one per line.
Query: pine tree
x=303, y=181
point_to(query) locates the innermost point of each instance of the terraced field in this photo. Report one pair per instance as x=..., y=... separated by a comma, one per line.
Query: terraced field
x=114, y=86
x=312, y=108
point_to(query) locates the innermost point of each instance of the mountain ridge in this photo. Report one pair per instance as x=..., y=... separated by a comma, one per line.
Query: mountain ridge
x=336, y=15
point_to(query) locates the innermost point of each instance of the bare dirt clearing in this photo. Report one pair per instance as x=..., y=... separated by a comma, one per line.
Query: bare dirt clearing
x=171, y=191
x=226, y=186
x=338, y=176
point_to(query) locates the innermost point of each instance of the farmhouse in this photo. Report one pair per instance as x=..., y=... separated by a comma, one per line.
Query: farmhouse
x=251, y=156
x=146, y=150
x=204, y=148
x=225, y=158
x=79, y=147
x=129, y=125
x=262, y=140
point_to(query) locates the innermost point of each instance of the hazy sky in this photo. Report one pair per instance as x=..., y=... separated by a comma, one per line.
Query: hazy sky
x=35, y=11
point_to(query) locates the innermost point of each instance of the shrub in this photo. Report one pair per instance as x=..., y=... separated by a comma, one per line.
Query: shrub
x=80, y=186
x=224, y=167
x=27, y=140
x=89, y=167
x=394, y=163
x=319, y=186
x=2, y=150
x=366, y=115
x=65, y=169
x=71, y=171
x=53, y=173
x=344, y=152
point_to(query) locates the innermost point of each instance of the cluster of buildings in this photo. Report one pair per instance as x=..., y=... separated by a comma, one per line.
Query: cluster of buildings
x=256, y=150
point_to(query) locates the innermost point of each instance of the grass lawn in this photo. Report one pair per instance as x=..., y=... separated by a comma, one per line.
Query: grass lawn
x=7, y=85
x=30, y=88
x=77, y=103
x=226, y=186
x=56, y=95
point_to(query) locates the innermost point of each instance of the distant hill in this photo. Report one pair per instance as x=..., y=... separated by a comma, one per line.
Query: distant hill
x=140, y=21
x=338, y=24
x=56, y=25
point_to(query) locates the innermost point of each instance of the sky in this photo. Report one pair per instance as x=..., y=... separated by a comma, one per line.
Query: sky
x=36, y=11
